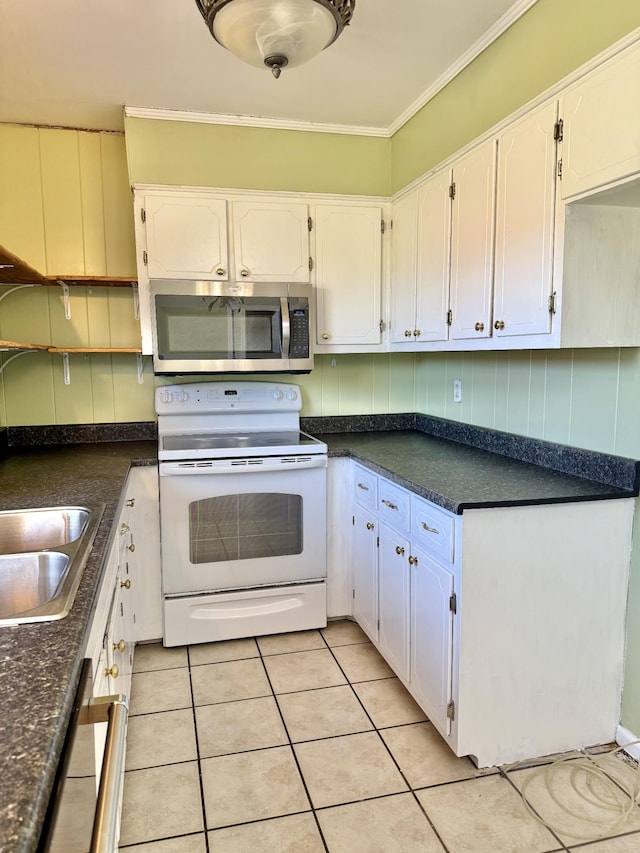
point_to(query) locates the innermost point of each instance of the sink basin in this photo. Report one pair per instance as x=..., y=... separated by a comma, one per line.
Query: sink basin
x=28, y=581
x=43, y=553
x=40, y=529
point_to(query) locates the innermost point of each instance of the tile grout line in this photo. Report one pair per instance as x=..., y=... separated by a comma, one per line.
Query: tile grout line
x=293, y=752
x=198, y=758
x=377, y=731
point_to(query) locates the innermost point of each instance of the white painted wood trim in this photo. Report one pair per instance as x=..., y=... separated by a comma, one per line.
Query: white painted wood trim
x=624, y=736
x=487, y=38
x=252, y=121
x=234, y=194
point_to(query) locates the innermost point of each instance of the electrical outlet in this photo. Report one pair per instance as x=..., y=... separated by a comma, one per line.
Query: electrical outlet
x=457, y=390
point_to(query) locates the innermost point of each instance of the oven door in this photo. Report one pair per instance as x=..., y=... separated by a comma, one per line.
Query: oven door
x=242, y=523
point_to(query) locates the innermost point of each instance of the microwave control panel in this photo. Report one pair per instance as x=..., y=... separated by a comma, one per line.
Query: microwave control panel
x=299, y=330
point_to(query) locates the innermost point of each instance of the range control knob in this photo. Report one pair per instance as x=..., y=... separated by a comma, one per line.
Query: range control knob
x=183, y=396
x=292, y=395
x=278, y=394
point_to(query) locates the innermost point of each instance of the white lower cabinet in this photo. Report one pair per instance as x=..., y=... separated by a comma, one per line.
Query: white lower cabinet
x=365, y=570
x=433, y=604
x=393, y=590
x=506, y=625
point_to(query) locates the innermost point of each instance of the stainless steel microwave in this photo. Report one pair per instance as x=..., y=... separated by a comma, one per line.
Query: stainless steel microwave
x=231, y=327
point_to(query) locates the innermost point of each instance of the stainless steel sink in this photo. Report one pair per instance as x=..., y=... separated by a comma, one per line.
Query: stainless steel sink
x=40, y=529
x=43, y=553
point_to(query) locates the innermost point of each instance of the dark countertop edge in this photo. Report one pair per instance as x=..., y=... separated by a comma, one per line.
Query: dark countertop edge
x=30, y=831
x=610, y=470
x=457, y=508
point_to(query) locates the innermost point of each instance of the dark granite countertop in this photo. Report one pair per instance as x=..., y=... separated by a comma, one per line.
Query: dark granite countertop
x=40, y=663
x=459, y=476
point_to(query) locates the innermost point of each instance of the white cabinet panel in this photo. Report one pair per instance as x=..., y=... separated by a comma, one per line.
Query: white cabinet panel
x=524, y=225
x=393, y=574
x=348, y=262
x=434, y=249
x=472, y=243
x=271, y=241
x=431, y=638
x=404, y=215
x=186, y=236
x=365, y=571
x=602, y=125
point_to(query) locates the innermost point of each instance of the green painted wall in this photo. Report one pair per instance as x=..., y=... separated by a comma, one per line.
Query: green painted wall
x=552, y=39
x=191, y=154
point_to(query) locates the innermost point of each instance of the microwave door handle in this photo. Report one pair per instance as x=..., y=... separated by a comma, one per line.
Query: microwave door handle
x=286, y=326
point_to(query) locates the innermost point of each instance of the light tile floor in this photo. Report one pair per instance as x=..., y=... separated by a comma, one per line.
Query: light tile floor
x=306, y=742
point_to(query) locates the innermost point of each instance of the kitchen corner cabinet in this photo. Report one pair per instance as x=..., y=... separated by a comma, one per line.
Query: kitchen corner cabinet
x=506, y=624
x=601, y=125
x=348, y=276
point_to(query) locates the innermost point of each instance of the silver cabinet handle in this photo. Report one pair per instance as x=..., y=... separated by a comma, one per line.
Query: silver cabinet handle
x=389, y=504
x=363, y=487
x=104, y=837
x=430, y=529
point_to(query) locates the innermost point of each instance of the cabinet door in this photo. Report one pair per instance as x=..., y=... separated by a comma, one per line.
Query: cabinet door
x=365, y=571
x=141, y=493
x=271, y=241
x=404, y=215
x=472, y=243
x=348, y=274
x=431, y=638
x=393, y=573
x=186, y=236
x=525, y=206
x=434, y=254
x=602, y=125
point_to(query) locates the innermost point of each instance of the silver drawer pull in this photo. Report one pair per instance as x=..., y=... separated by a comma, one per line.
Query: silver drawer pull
x=363, y=487
x=389, y=504
x=430, y=529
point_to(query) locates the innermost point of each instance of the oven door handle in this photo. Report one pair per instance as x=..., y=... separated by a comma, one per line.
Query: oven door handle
x=105, y=825
x=284, y=465
x=286, y=326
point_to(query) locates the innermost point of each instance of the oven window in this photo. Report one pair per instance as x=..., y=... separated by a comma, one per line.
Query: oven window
x=243, y=527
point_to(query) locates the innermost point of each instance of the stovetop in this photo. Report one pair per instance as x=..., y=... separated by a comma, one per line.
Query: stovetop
x=214, y=420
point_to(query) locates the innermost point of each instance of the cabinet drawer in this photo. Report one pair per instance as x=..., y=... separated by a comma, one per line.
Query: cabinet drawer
x=365, y=487
x=394, y=505
x=433, y=529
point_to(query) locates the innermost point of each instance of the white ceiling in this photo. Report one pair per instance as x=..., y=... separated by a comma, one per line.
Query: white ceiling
x=76, y=63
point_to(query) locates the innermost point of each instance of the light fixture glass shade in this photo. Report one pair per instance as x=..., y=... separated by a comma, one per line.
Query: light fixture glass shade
x=287, y=32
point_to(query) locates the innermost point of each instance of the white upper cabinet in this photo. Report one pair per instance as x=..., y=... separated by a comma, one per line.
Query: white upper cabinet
x=601, y=129
x=348, y=262
x=434, y=248
x=404, y=217
x=473, y=191
x=525, y=207
x=186, y=236
x=271, y=241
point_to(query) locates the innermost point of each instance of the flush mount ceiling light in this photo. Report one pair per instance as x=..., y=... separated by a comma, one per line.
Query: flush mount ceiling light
x=276, y=33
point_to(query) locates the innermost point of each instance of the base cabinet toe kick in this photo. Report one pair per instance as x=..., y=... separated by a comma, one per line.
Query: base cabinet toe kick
x=505, y=624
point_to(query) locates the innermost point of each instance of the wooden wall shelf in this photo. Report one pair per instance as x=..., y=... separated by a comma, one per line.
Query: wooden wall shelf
x=13, y=270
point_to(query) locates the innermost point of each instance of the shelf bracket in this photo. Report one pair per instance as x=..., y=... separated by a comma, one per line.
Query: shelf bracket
x=140, y=368
x=136, y=300
x=16, y=354
x=66, y=299
x=65, y=368
x=13, y=290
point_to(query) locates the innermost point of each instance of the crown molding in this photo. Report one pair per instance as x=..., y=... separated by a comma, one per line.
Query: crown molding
x=500, y=26
x=251, y=121
x=229, y=119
